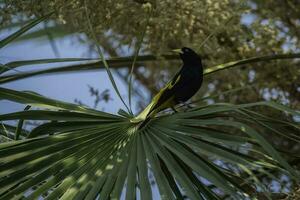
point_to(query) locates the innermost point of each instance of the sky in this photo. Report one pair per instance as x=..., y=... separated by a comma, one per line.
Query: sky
x=65, y=87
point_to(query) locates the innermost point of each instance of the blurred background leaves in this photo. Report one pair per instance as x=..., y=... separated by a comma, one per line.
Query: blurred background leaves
x=240, y=30
x=254, y=29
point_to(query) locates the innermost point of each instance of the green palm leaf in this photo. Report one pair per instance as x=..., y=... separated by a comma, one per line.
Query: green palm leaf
x=113, y=63
x=120, y=62
x=22, y=30
x=91, y=153
x=12, y=65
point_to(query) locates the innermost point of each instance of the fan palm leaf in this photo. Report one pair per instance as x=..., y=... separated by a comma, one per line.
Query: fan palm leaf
x=83, y=154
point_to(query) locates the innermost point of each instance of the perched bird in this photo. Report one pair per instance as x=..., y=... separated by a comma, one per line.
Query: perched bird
x=179, y=89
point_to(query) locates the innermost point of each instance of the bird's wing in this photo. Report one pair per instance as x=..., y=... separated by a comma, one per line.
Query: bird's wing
x=160, y=99
x=166, y=93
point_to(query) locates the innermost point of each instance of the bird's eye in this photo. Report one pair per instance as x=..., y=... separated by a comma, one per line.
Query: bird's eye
x=186, y=50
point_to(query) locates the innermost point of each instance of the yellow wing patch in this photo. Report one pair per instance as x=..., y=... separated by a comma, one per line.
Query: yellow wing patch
x=174, y=82
x=143, y=115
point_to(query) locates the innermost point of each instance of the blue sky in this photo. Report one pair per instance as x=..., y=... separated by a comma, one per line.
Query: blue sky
x=66, y=87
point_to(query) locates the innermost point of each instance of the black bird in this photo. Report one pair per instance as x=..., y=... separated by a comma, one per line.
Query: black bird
x=180, y=88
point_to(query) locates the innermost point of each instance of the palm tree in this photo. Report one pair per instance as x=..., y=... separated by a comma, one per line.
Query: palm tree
x=214, y=151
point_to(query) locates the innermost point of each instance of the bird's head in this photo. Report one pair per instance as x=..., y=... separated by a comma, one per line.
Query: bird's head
x=188, y=56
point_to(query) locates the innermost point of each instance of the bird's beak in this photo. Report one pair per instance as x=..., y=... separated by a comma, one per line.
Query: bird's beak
x=177, y=51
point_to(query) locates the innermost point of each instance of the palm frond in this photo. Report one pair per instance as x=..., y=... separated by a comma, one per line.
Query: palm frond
x=195, y=154
x=114, y=63
x=21, y=63
x=120, y=62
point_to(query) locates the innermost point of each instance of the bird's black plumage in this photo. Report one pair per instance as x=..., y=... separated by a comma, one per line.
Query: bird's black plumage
x=184, y=84
x=180, y=88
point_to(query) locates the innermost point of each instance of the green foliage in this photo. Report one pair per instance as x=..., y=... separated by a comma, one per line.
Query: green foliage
x=215, y=151
x=90, y=153
x=255, y=29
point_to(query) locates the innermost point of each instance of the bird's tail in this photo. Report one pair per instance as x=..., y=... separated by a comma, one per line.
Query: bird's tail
x=145, y=116
x=144, y=123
